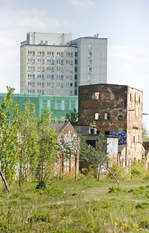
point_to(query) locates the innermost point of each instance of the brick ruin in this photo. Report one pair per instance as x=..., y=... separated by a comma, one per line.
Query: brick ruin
x=117, y=111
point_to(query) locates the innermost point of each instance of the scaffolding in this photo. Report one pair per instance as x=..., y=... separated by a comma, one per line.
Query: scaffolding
x=58, y=105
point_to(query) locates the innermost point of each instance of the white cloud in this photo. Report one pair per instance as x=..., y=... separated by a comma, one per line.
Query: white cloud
x=82, y=3
x=29, y=20
x=13, y=28
x=129, y=66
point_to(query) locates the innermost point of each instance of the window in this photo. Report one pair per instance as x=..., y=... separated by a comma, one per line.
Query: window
x=107, y=116
x=31, y=84
x=76, y=69
x=31, y=76
x=69, y=62
x=31, y=61
x=96, y=116
x=31, y=91
x=130, y=97
x=106, y=96
x=31, y=68
x=50, y=54
x=120, y=117
x=60, y=77
x=50, y=69
x=107, y=133
x=40, y=92
x=76, y=54
x=70, y=93
x=40, y=69
x=60, y=62
x=40, y=76
x=40, y=53
x=50, y=76
x=40, y=84
x=90, y=69
x=134, y=139
x=50, y=61
x=40, y=61
x=59, y=85
x=76, y=62
x=60, y=54
x=69, y=54
x=31, y=53
x=97, y=95
x=60, y=69
x=76, y=77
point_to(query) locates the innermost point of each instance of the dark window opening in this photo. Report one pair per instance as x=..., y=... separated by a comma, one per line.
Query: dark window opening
x=107, y=133
x=107, y=116
x=91, y=142
x=120, y=117
x=76, y=92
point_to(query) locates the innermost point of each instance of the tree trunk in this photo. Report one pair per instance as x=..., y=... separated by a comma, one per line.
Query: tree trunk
x=75, y=178
x=98, y=172
x=61, y=167
x=5, y=182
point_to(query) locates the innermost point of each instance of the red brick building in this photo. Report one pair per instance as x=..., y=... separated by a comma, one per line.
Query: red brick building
x=66, y=163
x=117, y=111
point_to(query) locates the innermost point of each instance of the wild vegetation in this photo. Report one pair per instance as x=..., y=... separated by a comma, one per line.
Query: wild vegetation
x=39, y=202
x=66, y=206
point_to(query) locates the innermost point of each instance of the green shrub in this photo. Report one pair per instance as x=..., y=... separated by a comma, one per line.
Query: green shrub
x=119, y=173
x=137, y=170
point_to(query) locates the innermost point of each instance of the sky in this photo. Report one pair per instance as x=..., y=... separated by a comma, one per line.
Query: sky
x=123, y=22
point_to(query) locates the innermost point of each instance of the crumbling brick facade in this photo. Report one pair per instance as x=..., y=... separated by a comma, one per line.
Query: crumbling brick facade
x=117, y=111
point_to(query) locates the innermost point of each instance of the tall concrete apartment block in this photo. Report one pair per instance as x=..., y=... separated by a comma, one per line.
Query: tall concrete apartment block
x=92, y=60
x=54, y=64
x=117, y=111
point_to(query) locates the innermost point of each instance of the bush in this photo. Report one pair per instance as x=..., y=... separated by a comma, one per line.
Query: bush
x=137, y=170
x=117, y=172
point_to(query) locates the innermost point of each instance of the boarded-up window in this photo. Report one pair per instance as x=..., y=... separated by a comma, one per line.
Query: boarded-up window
x=107, y=96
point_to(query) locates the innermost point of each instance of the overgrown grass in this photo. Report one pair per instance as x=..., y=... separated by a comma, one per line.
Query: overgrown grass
x=85, y=206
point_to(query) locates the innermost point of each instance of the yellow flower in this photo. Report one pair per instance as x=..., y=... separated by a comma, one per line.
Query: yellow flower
x=125, y=224
x=61, y=222
x=115, y=223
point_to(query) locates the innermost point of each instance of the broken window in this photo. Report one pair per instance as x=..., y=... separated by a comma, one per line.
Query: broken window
x=107, y=133
x=107, y=116
x=120, y=117
x=97, y=95
x=97, y=116
x=107, y=96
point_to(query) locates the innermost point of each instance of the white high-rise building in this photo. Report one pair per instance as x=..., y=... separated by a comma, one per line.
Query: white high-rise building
x=92, y=60
x=54, y=64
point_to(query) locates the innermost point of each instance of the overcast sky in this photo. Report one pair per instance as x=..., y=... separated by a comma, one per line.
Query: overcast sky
x=123, y=22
